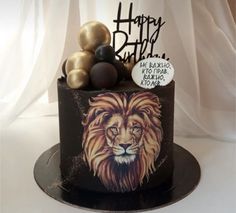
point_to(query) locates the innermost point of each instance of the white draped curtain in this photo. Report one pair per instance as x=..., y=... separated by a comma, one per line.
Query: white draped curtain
x=199, y=37
x=30, y=58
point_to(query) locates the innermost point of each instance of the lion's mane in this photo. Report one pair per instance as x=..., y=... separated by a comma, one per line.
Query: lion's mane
x=99, y=156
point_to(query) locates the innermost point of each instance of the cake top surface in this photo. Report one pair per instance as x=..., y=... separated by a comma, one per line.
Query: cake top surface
x=123, y=86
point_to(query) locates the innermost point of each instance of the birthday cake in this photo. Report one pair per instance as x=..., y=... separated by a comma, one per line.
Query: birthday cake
x=116, y=111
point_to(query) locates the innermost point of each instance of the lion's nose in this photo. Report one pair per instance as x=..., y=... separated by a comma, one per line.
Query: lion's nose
x=125, y=145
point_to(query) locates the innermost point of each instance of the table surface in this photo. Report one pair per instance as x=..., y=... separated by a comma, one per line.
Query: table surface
x=24, y=141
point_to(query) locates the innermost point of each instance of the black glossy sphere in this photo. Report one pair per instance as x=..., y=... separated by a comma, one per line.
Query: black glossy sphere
x=103, y=75
x=121, y=70
x=105, y=53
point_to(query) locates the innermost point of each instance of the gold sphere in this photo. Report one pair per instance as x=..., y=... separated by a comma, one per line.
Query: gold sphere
x=80, y=60
x=92, y=35
x=77, y=79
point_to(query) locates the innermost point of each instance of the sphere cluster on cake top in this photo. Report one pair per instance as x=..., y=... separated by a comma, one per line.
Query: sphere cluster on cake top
x=95, y=65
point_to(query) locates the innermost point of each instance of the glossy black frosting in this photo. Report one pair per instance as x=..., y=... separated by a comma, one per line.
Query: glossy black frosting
x=74, y=104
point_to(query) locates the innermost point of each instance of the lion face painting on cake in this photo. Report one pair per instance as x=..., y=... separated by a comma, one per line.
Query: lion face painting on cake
x=122, y=138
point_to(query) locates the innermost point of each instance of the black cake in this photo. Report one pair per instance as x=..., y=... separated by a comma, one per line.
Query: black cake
x=116, y=119
x=116, y=136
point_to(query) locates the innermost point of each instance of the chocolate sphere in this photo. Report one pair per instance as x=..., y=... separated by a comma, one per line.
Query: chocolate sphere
x=121, y=70
x=105, y=53
x=103, y=75
x=92, y=35
x=63, y=67
x=77, y=79
x=80, y=60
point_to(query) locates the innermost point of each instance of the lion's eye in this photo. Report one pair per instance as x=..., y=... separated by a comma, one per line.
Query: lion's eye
x=136, y=129
x=114, y=130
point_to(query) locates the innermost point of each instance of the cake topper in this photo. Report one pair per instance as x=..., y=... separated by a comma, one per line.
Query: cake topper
x=93, y=34
x=102, y=66
x=152, y=72
x=103, y=75
x=95, y=63
x=136, y=45
x=77, y=78
x=80, y=60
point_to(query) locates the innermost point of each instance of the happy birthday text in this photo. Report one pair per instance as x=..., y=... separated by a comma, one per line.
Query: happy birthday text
x=140, y=47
